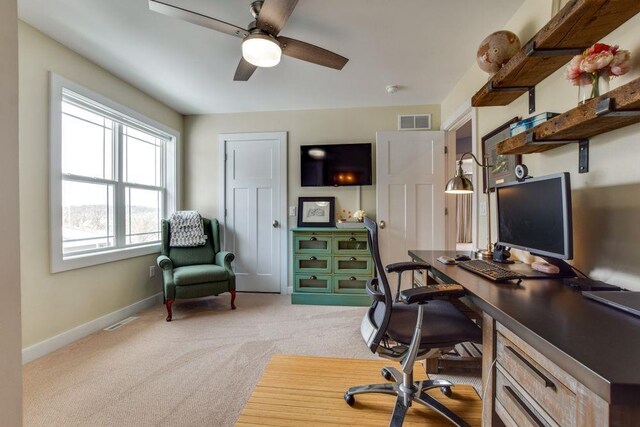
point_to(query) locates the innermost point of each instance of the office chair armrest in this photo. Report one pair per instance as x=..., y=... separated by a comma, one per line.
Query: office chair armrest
x=406, y=266
x=373, y=290
x=427, y=293
x=164, y=262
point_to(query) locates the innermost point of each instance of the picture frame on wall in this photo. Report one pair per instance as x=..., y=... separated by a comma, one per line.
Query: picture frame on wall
x=316, y=211
x=504, y=165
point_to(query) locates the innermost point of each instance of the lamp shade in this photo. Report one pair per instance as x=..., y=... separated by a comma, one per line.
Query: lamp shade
x=459, y=185
x=261, y=50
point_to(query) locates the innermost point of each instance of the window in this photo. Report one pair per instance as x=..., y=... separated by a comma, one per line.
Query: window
x=113, y=178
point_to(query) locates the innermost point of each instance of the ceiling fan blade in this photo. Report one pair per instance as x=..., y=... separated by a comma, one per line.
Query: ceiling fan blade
x=244, y=71
x=197, y=18
x=310, y=53
x=274, y=14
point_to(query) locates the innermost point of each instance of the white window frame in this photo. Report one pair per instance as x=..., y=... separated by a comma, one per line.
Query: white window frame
x=60, y=261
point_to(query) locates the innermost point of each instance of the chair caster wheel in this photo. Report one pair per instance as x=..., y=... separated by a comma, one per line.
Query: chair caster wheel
x=386, y=374
x=446, y=391
x=349, y=398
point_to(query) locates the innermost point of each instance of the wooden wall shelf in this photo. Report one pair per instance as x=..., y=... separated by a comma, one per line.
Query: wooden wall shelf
x=613, y=110
x=579, y=24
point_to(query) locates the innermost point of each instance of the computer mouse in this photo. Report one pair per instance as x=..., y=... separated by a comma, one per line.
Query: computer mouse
x=462, y=257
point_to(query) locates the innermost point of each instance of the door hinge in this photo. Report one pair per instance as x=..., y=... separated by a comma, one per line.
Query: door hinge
x=225, y=157
x=446, y=150
x=446, y=211
x=225, y=212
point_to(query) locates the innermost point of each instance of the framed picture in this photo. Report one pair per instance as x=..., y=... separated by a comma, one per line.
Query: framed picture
x=316, y=211
x=504, y=165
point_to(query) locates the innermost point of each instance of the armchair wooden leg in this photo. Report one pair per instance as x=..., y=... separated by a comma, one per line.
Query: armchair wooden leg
x=168, y=304
x=233, y=299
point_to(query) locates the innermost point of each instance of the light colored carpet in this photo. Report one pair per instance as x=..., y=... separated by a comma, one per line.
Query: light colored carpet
x=198, y=370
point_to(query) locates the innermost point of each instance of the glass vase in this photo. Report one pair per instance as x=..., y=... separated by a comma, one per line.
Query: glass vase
x=598, y=85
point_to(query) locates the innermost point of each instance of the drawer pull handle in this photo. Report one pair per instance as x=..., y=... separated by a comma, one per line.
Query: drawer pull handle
x=313, y=278
x=522, y=405
x=352, y=258
x=352, y=278
x=313, y=239
x=352, y=239
x=532, y=369
x=313, y=258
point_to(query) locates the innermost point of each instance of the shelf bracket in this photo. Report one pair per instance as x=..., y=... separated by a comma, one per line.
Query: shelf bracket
x=583, y=156
x=531, y=50
x=583, y=148
x=530, y=89
x=606, y=107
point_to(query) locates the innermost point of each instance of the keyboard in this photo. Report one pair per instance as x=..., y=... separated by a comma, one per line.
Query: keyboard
x=489, y=270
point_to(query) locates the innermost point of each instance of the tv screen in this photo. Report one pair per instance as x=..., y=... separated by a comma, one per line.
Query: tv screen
x=535, y=215
x=335, y=165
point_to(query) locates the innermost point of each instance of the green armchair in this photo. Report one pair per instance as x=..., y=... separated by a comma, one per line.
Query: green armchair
x=196, y=272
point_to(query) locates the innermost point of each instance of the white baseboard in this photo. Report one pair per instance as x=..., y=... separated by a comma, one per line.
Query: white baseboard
x=54, y=343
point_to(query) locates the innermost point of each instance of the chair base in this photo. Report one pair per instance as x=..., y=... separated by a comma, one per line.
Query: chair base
x=169, y=304
x=407, y=391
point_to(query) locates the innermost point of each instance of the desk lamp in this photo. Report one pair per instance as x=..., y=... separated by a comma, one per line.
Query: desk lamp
x=462, y=185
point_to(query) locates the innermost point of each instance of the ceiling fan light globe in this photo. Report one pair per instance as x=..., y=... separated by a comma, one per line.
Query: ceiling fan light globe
x=261, y=50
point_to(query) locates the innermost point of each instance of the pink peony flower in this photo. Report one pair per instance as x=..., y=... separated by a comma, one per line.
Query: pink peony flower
x=596, y=61
x=621, y=63
x=573, y=68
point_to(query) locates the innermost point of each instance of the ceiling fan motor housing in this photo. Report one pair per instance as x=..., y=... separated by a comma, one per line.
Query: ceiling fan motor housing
x=255, y=8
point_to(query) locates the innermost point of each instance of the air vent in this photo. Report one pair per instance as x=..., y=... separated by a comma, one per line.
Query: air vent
x=120, y=324
x=414, y=122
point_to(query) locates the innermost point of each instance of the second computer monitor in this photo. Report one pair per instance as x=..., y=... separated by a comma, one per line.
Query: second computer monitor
x=535, y=216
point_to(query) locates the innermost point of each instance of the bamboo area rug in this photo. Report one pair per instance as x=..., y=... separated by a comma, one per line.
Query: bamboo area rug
x=308, y=391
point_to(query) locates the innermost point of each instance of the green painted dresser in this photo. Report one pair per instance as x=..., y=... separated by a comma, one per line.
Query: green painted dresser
x=331, y=266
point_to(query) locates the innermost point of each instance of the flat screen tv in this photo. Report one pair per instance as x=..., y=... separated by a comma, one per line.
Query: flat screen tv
x=335, y=165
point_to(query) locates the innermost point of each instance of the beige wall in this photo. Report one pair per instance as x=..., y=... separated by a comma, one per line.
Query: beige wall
x=55, y=303
x=303, y=127
x=10, y=357
x=606, y=201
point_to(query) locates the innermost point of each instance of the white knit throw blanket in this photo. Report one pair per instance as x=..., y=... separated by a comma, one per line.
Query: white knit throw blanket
x=187, y=229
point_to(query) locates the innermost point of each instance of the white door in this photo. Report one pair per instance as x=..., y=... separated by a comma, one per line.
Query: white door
x=410, y=185
x=254, y=200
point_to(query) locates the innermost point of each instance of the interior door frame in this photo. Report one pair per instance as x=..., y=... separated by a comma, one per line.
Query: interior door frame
x=450, y=125
x=282, y=137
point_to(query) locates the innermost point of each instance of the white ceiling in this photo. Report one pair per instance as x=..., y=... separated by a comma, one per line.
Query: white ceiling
x=424, y=46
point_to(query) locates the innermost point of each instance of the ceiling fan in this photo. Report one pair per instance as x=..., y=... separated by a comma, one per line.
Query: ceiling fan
x=261, y=45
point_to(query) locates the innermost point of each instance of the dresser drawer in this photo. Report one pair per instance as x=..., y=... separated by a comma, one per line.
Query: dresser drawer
x=420, y=277
x=353, y=265
x=515, y=407
x=351, y=244
x=540, y=384
x=312, y=264
x=345, y=284
x=312, y=243
x=312, y=283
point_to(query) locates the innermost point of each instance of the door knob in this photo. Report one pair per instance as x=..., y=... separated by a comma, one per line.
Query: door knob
x=275, y=223
x=382, y=224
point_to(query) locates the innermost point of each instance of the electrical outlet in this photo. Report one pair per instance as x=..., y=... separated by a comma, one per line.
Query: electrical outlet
x=292, y=211
x=152, y=271
x=483, y=208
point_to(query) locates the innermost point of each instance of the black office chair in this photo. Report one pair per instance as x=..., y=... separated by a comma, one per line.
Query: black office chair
x=422, y=325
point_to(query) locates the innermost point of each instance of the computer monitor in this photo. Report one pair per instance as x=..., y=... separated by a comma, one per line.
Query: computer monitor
x=535, y=215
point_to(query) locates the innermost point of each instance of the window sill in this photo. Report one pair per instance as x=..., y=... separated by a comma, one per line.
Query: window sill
x=59, y=263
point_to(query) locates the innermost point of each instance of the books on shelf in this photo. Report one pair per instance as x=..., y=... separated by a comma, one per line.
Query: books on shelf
x=528, y=123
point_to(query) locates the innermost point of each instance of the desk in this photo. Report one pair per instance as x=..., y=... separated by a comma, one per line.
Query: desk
x=592, y=349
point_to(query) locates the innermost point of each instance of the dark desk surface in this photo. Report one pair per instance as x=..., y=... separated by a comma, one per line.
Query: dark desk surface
x=596, y=344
